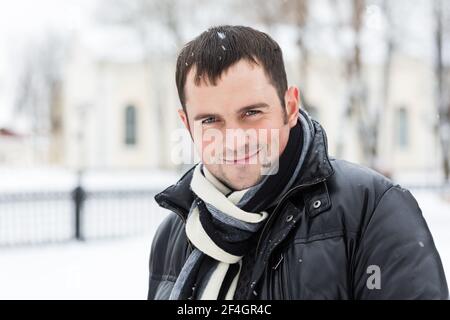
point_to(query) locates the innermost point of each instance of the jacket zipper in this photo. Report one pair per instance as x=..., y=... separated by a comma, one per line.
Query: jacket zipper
x=276, y=282
x=281, y=286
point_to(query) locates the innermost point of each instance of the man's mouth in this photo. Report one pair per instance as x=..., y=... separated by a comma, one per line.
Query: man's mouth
x=244, y=160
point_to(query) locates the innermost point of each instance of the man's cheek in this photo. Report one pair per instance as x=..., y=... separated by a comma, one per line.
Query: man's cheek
x=204, y=141
x=210, y=153
x=212, y=146
x=270, y=151
x=269, y=138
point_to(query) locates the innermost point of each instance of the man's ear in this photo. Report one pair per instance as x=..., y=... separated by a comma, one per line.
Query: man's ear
x=291, y=101
x=184, y=118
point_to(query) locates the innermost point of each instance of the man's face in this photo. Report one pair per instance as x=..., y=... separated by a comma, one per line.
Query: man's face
x=239, y=125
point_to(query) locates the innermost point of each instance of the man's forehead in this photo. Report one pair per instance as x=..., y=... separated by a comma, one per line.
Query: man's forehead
x=240, y=83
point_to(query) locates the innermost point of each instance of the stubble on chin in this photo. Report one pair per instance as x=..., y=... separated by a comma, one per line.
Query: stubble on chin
x=240, y=178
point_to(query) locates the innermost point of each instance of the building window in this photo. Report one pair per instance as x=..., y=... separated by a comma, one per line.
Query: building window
x=130, y=125
x=402, y=128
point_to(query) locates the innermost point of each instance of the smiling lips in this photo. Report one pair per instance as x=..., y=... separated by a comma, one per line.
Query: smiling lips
x=243, y=160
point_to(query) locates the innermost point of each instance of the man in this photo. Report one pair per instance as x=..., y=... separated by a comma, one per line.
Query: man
x=289, y=223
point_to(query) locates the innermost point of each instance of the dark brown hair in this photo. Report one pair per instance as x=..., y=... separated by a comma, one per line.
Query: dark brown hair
x=218, y=48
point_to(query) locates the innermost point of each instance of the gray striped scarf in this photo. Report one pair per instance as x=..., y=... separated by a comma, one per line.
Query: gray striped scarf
x=219, y=229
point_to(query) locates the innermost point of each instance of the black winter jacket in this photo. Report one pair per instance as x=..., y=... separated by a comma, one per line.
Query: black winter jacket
x=342, y=231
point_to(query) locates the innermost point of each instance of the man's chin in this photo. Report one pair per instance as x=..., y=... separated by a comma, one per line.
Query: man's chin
x=242, y=176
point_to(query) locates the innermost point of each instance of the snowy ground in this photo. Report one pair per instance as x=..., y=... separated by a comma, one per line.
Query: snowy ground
x=117, y=269
x=61, y=179
x=93, y=270
x=436, y=211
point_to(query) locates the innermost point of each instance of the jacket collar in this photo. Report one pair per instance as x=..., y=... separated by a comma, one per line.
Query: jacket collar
x=317, y=168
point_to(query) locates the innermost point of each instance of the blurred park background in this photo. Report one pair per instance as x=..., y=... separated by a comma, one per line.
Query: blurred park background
x=88, y=110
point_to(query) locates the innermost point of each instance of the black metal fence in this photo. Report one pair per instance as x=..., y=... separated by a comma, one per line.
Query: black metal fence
x=49, y=216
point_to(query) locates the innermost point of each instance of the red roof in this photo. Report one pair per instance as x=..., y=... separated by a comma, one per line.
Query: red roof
x=8, y=133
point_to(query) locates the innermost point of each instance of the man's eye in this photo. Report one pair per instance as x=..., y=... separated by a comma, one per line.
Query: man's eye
x=252, y=112
x=208, y=120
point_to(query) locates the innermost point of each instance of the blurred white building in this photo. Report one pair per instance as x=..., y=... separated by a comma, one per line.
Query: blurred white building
x=119, y=106
x=408, y=144
x=116, y=112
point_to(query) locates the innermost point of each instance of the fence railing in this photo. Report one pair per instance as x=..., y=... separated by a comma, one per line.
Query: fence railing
x=41, y=217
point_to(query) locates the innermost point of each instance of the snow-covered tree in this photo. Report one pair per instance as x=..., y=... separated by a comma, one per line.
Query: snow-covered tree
x=441, y=14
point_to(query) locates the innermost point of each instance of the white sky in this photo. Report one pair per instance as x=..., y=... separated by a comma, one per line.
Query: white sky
x=24, y=20
x=21, y=17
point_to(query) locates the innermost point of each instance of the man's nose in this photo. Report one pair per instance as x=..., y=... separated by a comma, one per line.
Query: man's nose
x=239, y=143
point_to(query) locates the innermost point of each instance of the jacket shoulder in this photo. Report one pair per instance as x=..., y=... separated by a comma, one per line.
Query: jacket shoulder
x=355, y=192
x=353, y=175
x=358, y=184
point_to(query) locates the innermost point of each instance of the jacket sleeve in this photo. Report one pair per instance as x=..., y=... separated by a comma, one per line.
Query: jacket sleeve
x=160, y=282
x=167, y=256
x=396, y=257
